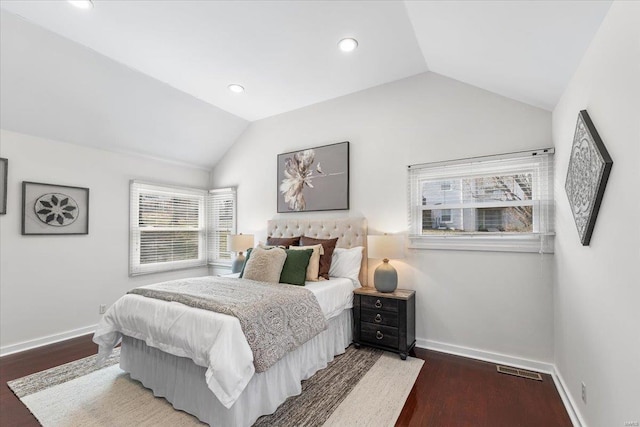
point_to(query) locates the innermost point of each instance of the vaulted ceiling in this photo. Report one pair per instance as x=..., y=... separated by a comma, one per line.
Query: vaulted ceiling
x=285, y=52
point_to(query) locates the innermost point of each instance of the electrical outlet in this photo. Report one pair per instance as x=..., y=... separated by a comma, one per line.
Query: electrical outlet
x=103, y=308
x=584, y=393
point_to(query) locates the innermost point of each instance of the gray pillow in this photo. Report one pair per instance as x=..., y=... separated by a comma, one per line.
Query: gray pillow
x=265, y=265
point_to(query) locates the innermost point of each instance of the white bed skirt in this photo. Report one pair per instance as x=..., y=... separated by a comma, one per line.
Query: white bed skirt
x=182, y=382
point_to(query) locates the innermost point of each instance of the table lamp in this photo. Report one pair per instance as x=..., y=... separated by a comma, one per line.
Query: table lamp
x=385, y=278
x=239, y=243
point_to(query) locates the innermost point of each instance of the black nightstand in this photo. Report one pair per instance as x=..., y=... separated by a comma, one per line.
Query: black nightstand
x=385, y=320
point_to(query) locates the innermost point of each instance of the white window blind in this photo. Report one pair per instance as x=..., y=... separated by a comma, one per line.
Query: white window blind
x=167, y=228
x=221, y=208
x=502, y=203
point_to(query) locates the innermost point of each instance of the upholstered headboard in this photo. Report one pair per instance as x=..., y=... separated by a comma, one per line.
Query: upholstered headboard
x=350, y=232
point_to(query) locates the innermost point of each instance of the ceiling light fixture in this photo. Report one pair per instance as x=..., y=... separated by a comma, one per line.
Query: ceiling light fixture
x=236, y=88
x=348, y=45
x=82, y=4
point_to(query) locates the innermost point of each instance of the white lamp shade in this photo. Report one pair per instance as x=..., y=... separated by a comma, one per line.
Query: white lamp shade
x=239, y=242
x=385, y=246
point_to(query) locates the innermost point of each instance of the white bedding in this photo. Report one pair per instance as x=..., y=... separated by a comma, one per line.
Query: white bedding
x=212, y=340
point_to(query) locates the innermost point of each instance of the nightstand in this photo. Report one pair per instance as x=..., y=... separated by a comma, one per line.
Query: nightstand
x=385, y=320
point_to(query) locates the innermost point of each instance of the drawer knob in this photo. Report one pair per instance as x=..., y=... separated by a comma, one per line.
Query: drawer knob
x=378, y=304
x=378, y=318
x=379, y=335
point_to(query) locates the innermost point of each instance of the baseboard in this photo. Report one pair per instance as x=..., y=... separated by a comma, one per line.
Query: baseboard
x=487, y=356
x=569, y=403
x=50, y=339
x=518, y=362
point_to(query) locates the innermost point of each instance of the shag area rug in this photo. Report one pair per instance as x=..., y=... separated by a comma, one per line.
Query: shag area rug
x=364, y=387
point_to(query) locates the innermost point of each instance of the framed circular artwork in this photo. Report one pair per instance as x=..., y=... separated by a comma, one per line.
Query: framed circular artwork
x=54, y=209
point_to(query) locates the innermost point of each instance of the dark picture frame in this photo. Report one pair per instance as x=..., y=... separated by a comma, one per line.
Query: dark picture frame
x=587, y=175
x=4, y=177
x=314, y=179
x=50, y=209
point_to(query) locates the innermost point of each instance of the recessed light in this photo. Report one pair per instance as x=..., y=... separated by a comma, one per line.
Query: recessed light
x=348, y=45
x=82, y=4
x=236, y=88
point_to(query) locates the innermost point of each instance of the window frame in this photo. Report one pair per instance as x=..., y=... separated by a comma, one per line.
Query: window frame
x=537, y=162
x=136, y=268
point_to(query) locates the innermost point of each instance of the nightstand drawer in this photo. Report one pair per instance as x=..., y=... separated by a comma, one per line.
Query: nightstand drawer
x=379, y=317
x=375, y=303
x=379, y=335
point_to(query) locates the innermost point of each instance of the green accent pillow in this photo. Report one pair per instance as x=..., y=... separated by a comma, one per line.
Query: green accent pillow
x=246, y=258
x=294, y=270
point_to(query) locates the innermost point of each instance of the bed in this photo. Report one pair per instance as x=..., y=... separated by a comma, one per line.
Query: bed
x=200, y=360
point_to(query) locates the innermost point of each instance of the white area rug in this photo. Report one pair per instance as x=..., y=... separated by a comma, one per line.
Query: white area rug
x=108, y=397
x=380, y=395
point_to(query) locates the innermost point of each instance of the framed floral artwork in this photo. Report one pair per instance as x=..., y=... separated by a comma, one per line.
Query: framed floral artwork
x=314, y=179
x=589, y=168
x=4, y=175
x=54, y=209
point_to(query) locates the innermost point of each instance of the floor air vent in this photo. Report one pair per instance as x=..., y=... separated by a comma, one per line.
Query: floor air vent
x=519, y=372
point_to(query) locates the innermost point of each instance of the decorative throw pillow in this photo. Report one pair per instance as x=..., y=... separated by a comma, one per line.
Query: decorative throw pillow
x=265, y=265
x=246, y=258
x=325, y=260
x=265, y=246
x=283, y=241
x=347, y=263
x=294, y=270
x=313, y=268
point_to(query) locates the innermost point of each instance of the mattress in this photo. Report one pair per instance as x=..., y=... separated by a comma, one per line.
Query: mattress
x=212, y=340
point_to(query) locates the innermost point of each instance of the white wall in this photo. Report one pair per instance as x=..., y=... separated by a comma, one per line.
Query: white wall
x=597, y=292
x=50, y=285
x=497, y=302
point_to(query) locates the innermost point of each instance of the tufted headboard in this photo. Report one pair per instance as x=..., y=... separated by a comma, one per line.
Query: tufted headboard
x=350, y=232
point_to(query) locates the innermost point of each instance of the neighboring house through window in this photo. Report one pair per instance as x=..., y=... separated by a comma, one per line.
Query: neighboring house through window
x=502, y=202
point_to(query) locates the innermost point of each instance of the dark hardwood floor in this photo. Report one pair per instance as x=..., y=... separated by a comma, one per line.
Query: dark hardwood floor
x=450, y=391
x=456, y=391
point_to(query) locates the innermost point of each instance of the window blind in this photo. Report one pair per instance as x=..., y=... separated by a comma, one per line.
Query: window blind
x=502, y=202
x=167, y=228
x=221, y=208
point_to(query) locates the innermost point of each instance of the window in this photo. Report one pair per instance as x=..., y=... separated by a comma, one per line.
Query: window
x=502, y=202
x=445, y=215
x=168, y=228
x=222, y=223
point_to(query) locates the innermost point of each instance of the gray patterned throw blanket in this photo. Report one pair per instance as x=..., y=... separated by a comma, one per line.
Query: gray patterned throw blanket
x=275, y=318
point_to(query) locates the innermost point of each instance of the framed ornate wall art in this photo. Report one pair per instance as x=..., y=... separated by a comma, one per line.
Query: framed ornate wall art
x=315, y=179
x=589, y=168
x=4, y=175
x=54, y=209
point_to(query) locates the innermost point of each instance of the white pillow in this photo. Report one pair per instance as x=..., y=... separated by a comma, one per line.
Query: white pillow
x=346, y=263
